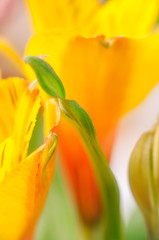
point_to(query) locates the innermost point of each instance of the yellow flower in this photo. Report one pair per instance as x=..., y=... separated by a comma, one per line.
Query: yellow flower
x=107, y=78
x=90, y=18
x=24, y=180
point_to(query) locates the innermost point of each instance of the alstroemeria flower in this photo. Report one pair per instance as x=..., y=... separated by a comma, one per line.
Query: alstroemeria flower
x=108, y=78
x=90, y=18
x=24, y=180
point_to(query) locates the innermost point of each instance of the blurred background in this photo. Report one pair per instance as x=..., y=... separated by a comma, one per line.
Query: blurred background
x=16, y=28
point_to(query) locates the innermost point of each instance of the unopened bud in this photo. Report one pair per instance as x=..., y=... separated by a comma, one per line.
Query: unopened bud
x=144, y=178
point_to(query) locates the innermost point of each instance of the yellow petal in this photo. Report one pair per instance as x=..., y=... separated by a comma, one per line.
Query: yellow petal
x=23, y=192
x=61, y=14
x=19, y=106
x=7, y=147
x=10, y=63
x=144, y=74
x=45, y=42
x=89, y=18
x=26, y=106
x=125, y=17
x=25, y=118
x=11, y=90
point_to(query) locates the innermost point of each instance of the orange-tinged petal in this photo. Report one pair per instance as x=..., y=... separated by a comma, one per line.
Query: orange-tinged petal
x=10, y=63
x=46, y=170
x=51, y=108
x=23, y=191
x=11, y=90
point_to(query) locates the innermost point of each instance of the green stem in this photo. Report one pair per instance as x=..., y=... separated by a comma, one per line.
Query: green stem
x=109, y=191
x=111, y=219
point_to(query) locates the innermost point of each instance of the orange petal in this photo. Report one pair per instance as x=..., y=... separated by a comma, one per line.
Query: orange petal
x=79, y=172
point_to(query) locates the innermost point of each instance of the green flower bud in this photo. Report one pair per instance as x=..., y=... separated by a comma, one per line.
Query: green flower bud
x=144, y=178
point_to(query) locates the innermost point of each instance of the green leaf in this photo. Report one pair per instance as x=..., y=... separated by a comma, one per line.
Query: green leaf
x=46, y=76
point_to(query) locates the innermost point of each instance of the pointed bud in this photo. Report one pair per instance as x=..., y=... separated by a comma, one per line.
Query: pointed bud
x=144, y=178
